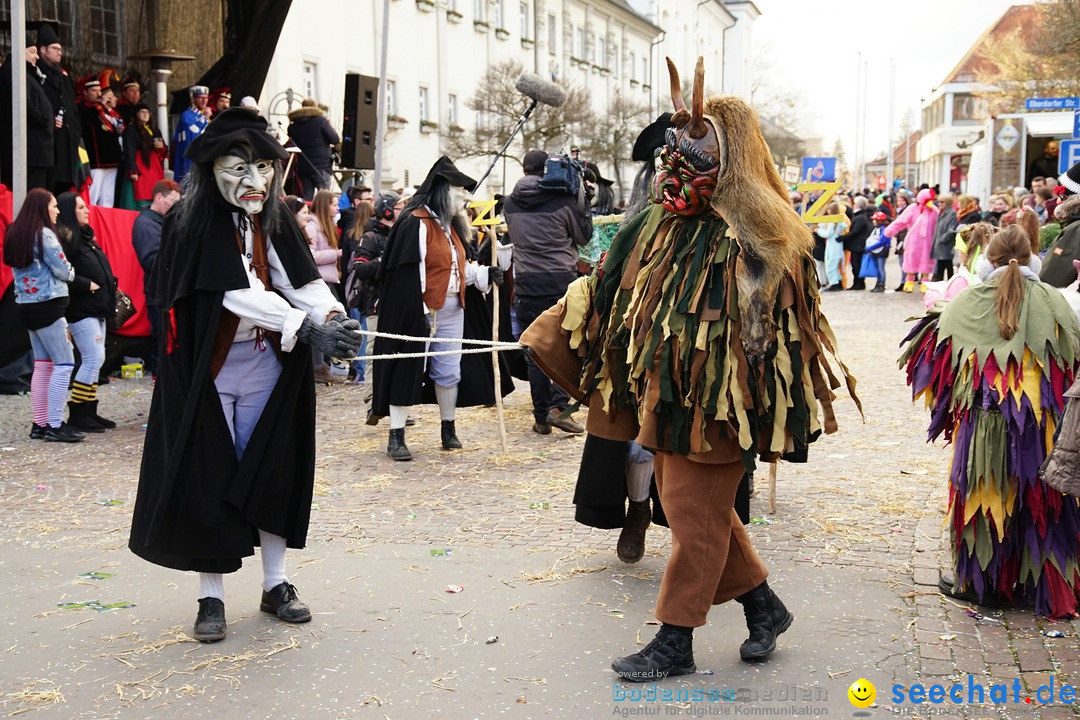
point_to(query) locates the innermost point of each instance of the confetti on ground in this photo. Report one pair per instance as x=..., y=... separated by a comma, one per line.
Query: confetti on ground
x=95, y=605
x=439, y=552
x=540, y=506
x=1054, y=633
x=95, y=575
x=454, y=588
x=109, y=503
x=492, y=639
x=760, y=521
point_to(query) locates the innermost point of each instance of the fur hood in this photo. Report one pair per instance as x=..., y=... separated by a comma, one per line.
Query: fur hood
x=1068, y=210
x=304, y=112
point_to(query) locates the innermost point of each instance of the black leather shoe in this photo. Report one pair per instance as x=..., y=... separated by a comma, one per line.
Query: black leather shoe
x=62, y=434
x=670, y=653
x=947, y=587
x=81, y=418
x=210, y=622
x=449, y=436
x=37, y=432
x=766, y=618
x=396, y=448
x=283, y=601
x=631, y=544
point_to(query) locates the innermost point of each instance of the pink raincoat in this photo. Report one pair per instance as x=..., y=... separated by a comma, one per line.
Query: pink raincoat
x=920, y=219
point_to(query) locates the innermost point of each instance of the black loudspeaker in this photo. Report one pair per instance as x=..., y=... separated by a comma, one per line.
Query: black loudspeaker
x=360, y=121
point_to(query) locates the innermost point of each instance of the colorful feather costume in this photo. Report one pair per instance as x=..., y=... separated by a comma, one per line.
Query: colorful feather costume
x=998, y=402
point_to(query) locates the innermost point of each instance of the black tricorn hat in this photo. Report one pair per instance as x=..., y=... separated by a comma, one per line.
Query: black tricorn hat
x=46, y=35
x=235, y=125
x=445, y=168
x=599, y=179
x=651, y=138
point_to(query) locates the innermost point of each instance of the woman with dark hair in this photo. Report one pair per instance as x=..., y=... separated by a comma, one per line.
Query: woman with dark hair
x=93, y=301
x=992, y=367
x=144, y=152
x=41, y=277
x=325, y=248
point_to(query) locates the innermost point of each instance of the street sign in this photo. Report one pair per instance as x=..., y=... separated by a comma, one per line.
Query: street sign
x=818, y=169
x=1062, y=103
x=1069, y=155
x=1076, y=123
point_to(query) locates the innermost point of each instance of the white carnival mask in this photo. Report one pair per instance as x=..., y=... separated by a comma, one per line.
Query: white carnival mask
x=244, y=183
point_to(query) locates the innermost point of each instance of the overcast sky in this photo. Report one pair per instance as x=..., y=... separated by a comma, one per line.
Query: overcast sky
x=815, y=47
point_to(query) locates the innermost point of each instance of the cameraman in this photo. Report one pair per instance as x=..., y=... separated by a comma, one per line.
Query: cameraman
x=546, y=227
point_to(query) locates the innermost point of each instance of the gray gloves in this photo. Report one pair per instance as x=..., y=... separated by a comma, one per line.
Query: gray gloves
x=495, y=275
x=337, y=337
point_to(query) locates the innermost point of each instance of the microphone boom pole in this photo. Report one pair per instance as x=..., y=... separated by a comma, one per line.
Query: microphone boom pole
x=517, y=128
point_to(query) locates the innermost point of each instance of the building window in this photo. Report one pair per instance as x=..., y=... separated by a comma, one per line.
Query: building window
x=105, y=28
x=644, y=71
x=451, y=109
x=63, y=12
x=553, y=34
x=579, y=43
x=5, y=25
x=614, y=58
x=424, y=105
x=391, y=97
x=481, y=120
x=632, y=66
x=311, y=79
x=591, y=48
x=478, y=10
x=601, y=52
x=524, y=10
x=499, y=14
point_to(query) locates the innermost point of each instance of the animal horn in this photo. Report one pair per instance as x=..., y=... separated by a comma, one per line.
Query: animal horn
x=697, y=122
x=676, y=87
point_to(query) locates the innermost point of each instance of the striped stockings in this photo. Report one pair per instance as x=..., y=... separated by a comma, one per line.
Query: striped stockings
x=39, y=391
x=58, y=389
x=81, y=392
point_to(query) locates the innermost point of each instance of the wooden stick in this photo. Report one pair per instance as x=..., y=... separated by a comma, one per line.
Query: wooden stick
x=772, y=487
x=495, y=292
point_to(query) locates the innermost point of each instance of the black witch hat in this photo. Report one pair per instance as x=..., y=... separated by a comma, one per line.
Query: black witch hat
x=230, y=127
x=446, y=169
x=651, y=138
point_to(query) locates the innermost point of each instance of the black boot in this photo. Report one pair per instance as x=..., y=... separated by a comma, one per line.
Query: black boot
x=766, y=617
x=81, y=418
x=449, y=436
x=671, y=652
x=396, y=447
x=103, y=422
x=632, y=538
x=210, y=622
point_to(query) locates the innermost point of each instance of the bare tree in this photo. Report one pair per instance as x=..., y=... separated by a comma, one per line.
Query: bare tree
x=1039, y=59
x=781, y=109
x=500, y=105
x=611, y=138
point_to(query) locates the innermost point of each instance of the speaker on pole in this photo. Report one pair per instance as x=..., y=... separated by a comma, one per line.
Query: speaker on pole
x=360, y=121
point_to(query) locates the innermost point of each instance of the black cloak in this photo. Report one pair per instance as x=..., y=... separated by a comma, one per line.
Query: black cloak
x=198, y=507
x=401, y=312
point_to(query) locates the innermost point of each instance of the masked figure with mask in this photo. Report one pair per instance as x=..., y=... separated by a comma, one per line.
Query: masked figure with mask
x=229, y=456
x=423, y=276
x=700, y=337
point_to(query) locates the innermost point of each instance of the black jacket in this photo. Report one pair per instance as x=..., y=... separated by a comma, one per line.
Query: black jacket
x=101, y=137
x=61, y=93
x=39, y=122
x=855, y=239
x=146, y=239
x=313, y=134
x=365, y=262
x=91, y=265
x=546, y=228
x=945, y=235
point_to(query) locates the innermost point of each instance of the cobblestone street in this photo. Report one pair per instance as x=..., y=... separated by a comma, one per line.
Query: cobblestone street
x=854, y=549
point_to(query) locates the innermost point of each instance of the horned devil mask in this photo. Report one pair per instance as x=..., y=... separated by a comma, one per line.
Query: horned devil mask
x=690, y=161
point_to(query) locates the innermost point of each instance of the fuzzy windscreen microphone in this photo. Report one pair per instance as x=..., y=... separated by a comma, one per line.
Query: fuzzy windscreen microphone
x=541, y=90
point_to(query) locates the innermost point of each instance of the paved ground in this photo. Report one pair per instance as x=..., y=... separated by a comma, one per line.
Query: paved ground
x=854, y=549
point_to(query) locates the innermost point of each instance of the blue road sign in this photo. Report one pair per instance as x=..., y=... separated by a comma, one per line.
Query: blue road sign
x=1076, y=123
x=1062, y=103
x=1069, y=156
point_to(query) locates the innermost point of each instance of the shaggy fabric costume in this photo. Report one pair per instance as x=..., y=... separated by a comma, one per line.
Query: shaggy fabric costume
x=999, y=401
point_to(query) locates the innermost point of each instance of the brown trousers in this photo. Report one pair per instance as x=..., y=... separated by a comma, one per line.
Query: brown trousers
x=712, y=560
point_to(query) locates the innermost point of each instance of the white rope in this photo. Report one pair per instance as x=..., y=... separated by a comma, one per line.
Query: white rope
x=464, y=351
x=466, y=341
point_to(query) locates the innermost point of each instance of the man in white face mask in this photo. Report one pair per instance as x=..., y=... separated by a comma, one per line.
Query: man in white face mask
x=230, y=442
x=424, y=273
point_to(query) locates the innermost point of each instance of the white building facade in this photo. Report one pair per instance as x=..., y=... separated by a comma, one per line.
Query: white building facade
x=438, y=50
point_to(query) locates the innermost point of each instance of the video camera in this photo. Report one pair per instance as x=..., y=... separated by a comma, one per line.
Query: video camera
x=562, y=173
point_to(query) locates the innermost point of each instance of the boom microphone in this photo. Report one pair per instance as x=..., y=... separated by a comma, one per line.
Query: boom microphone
x=541, y=90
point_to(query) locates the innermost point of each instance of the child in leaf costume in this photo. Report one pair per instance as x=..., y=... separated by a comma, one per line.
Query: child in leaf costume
x=700, y=336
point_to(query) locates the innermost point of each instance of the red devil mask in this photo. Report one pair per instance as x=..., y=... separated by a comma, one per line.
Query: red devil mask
x=690, y=160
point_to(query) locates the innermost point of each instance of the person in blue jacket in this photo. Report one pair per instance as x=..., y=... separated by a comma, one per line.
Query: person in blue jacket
x=193, y=122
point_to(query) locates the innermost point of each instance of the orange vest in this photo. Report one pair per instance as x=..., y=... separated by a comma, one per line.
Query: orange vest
x=439, y=261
